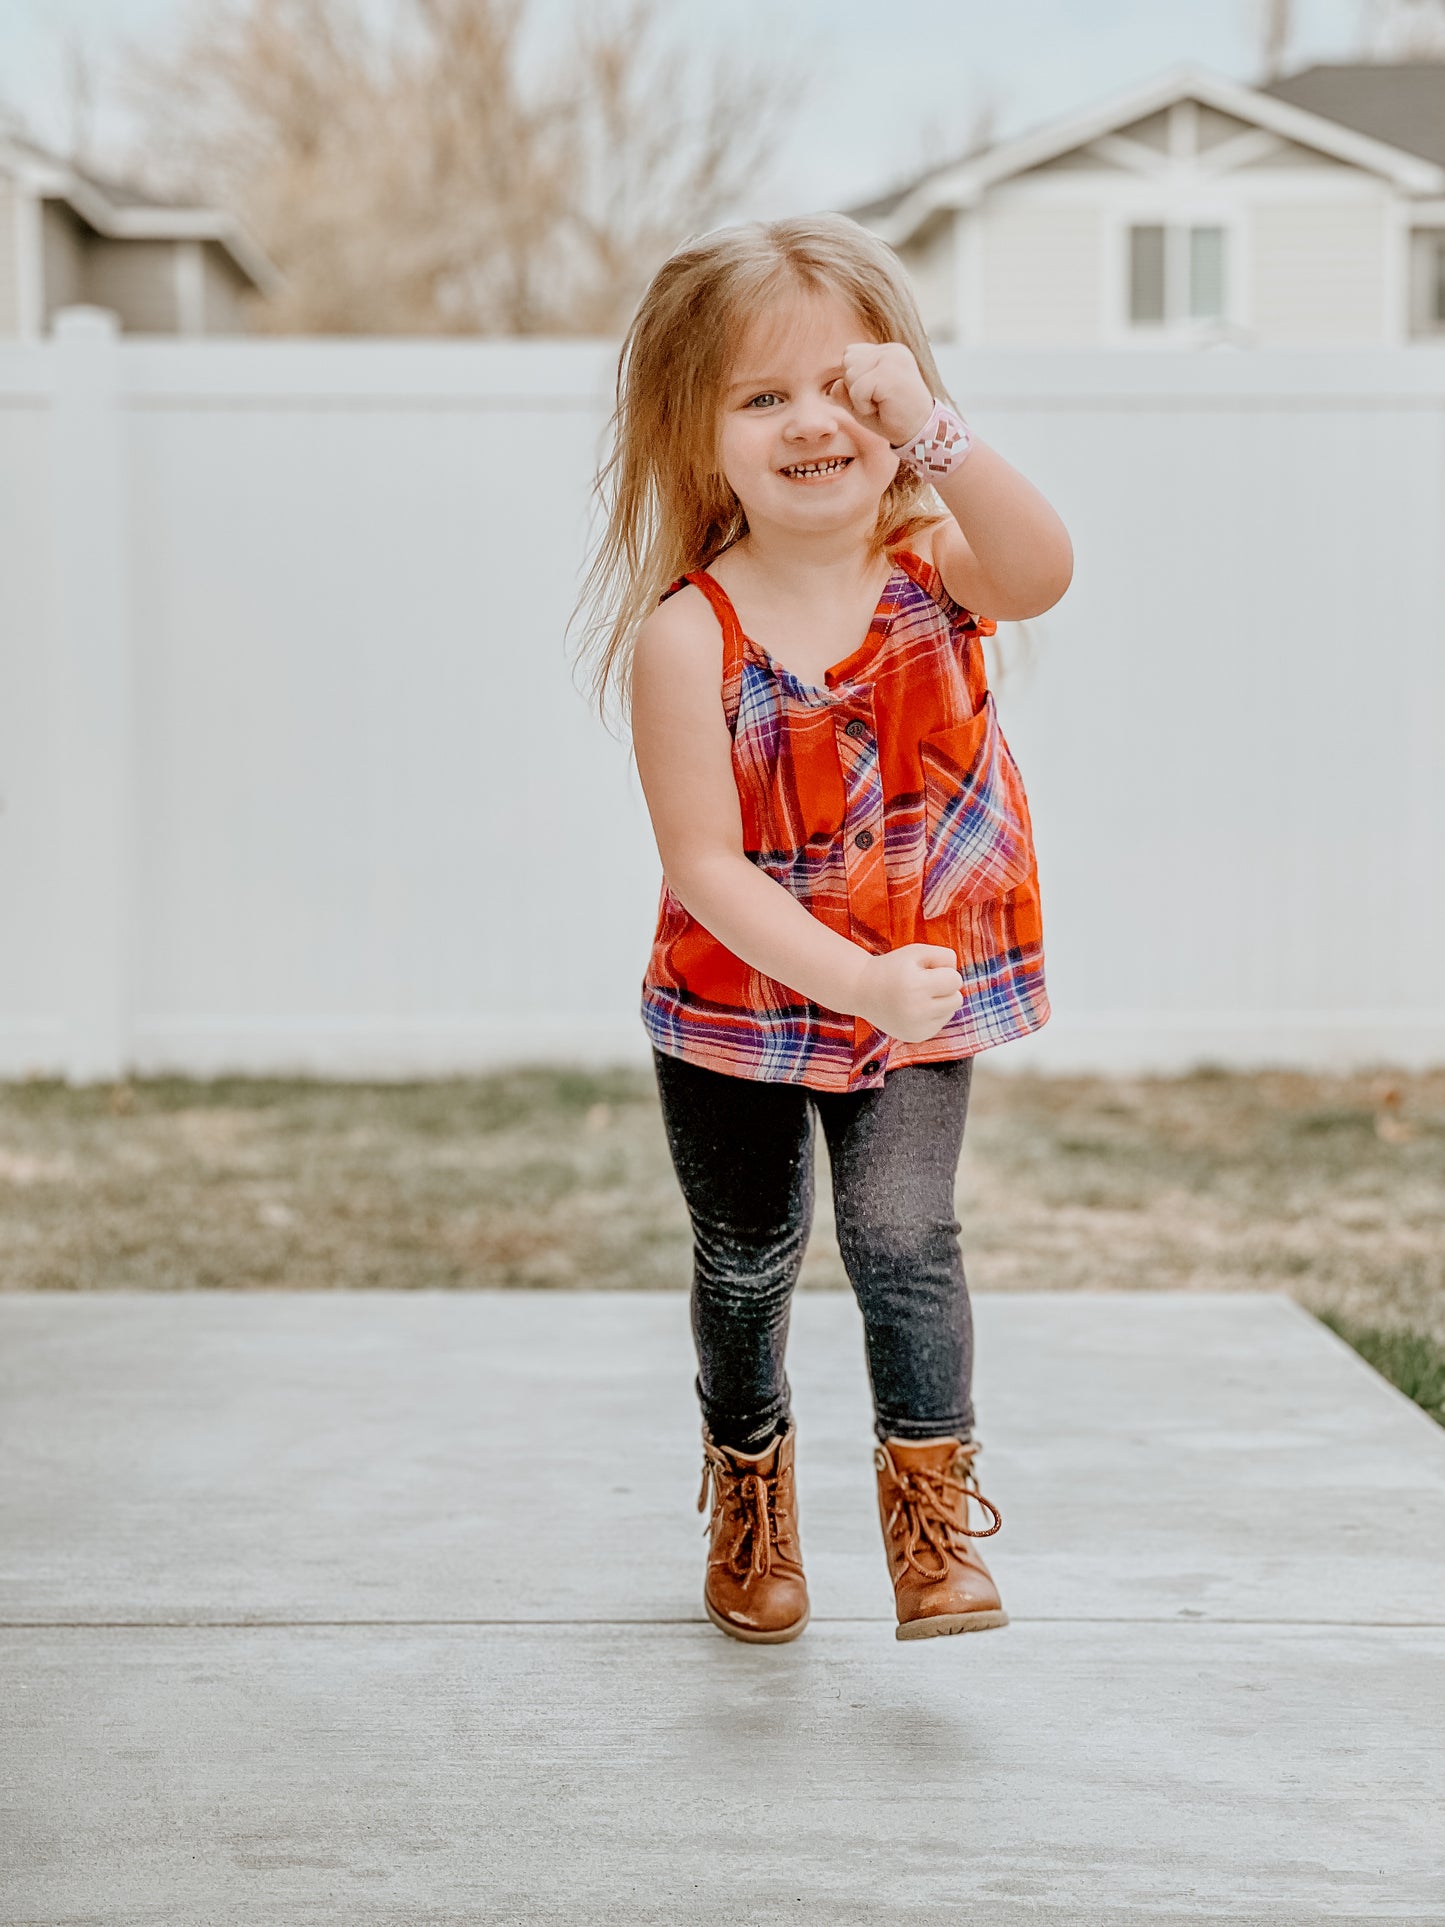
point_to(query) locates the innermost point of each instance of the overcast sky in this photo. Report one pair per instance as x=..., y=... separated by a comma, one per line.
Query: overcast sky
x=888, y=85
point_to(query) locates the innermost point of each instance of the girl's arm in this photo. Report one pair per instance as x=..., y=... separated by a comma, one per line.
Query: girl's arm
x=684, y=758
x=1005, y=553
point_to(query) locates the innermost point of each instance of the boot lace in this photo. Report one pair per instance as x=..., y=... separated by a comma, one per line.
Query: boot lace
x=754, y=1497
x=928, y=1504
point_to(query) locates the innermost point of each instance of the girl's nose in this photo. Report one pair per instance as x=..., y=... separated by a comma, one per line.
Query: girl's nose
x=810, y=418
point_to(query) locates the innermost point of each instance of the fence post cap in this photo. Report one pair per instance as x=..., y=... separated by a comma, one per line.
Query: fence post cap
x=86, y=323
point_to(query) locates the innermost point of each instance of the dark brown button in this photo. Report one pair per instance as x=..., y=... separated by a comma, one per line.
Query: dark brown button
x=873, y=1064
x=864, y=839
x=856, y=728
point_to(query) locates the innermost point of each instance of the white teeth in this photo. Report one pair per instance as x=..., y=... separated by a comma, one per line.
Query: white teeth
x=817, y=468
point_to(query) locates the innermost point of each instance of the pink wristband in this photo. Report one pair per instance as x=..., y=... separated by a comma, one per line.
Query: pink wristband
x=940, y=446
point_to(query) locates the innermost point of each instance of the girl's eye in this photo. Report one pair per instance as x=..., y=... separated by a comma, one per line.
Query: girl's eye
x=768, y=395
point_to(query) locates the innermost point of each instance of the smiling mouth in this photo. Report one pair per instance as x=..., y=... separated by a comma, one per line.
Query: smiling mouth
x=816, y=471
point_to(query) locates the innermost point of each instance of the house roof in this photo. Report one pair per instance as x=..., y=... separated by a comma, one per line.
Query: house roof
x=122, y=212
x=897, y=216
x=1403, y=104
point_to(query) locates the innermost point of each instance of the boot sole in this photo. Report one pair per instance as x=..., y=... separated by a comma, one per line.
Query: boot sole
x=932, y=1624
x=778, y=1638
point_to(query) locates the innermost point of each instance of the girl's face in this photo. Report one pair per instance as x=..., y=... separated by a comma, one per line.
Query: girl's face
x=791, y=451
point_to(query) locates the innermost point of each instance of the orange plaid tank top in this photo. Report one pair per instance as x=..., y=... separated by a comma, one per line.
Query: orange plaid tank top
x=886, y=800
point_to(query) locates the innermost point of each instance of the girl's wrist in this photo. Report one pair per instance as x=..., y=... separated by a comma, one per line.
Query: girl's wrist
x=861, y=987
x=940, y=446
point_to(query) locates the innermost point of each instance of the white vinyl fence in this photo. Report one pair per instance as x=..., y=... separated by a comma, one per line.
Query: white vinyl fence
x=295, y=772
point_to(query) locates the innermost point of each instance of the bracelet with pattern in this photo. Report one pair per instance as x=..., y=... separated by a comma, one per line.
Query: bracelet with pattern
x=940, y=446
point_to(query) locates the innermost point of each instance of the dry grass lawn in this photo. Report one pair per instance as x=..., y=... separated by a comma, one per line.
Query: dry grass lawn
x=1331, y=1188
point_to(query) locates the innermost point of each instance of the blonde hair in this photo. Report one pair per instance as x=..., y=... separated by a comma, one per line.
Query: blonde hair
x=667, y=506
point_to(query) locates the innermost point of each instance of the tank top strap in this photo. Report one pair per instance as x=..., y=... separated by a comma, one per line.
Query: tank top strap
x=734, y=647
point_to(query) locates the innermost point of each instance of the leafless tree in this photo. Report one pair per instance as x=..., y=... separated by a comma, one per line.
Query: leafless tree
x=79, y=86
x=441, y=173
x=1405, y=29
x=955, y=132
x=1275, y=23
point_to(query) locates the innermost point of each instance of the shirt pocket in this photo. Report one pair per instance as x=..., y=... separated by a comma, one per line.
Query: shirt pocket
x=979, y=837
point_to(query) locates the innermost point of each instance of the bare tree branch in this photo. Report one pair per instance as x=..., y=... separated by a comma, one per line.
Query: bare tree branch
x=1275, y=23
x=1405, y=29
x=79, y=96
x=418, y=181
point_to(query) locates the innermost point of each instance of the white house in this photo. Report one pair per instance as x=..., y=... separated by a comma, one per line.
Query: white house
x=67, y=236
x=1194, y=209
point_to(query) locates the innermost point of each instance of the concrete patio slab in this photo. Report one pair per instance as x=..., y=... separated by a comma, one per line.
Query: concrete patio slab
x=242, y=1455
x=621, y=1774
x=385, y=1608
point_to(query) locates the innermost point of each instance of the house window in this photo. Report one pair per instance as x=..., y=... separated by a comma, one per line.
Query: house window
x=1175, y=274
x=1206, y=273
x=1146, y=274
x=1427, y=282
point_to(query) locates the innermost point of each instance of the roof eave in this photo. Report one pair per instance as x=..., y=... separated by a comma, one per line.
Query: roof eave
x=961, y=187
x=1409, y=171
x=198, y=224
x=52, y=180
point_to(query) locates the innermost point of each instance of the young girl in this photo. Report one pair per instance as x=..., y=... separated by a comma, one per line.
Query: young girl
x=850, y=907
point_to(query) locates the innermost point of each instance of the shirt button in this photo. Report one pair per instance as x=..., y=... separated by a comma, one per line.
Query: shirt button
x=864, y=839
x=873, y=1064
x=856, y=728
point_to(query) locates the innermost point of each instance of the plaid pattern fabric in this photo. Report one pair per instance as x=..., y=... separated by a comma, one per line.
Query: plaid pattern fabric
x=886, y=801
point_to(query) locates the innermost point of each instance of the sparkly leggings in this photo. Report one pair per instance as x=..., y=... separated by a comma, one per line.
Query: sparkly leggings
x=743, y=1153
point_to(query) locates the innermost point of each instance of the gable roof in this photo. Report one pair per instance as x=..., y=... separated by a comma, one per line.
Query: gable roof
x=120, y=212
x=1403, y=104
x=896, y=217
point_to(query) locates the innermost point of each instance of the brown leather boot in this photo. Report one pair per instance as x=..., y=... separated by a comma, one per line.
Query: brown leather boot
x=755, y=1587
x=940, y=1583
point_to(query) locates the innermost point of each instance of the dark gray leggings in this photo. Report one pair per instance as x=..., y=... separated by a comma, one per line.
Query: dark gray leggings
x=743, y=1153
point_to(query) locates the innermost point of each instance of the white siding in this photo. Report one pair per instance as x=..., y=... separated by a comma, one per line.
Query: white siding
x=63, y=253
x=1212, y=128
x=1321, y=273
x=1290, y=155
x=226, y=293
x=1041, y=273
x=1153, y=131
x=9, y=261
x=1078, y=160
x=929, y=261
x=137, y=279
